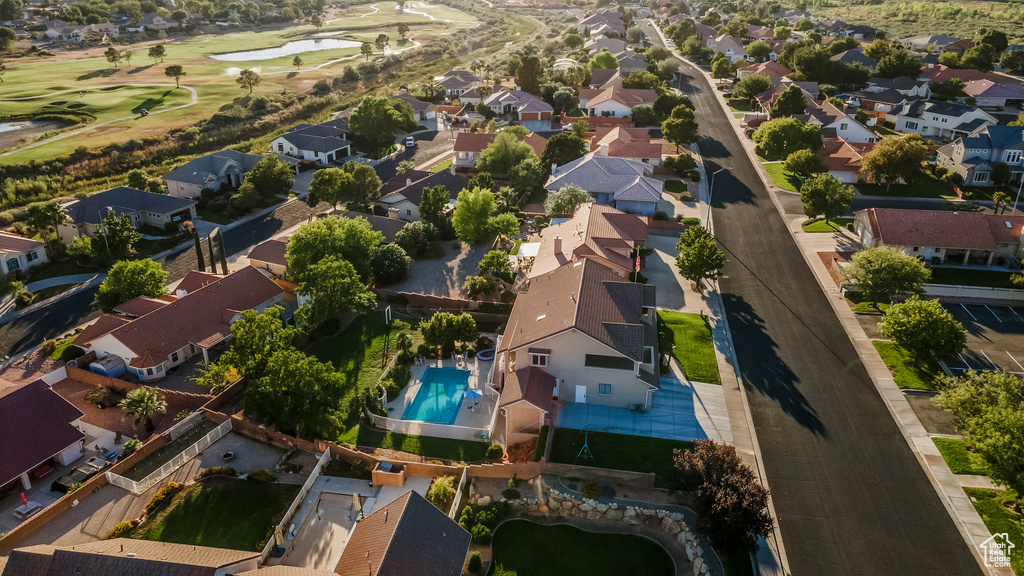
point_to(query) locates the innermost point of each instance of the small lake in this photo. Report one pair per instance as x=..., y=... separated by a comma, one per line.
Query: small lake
x=289, y=49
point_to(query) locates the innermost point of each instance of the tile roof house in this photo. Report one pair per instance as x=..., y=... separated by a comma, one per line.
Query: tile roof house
x=422, y=110
x=622, y=142
x=731, y=47
x=943, y=236
x=324, y=143
x=468, y=146
x=755, y=33
x=939, y=120
x=595, y=231
x=128, y=557
x=20, y=253
x=194, y=320
x=141, y=207
x=844, y=158
x=455, y=82
x=625, y=184
x=615, y=101
x=270, y=256
x=769, y=69
x=855, y=56
x=531, y=112
x=941, y=73
x=592, y=331
x=997, y=94
x=403, y=193
x=224, y=168
x=973, y=157
x=836, y=123
x=38, y=427
x=408, y=536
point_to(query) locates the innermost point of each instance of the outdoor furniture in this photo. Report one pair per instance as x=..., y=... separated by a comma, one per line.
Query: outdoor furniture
x=227, y=456
x=42, y=471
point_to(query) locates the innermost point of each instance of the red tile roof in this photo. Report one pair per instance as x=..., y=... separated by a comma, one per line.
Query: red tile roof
x=272, y=251
x=841, y=155
x=531, y=385
x=624, y=142
x=941, y=73
x=195, y=280
x=36, y=425
x=595, y=231
x=769, y=69
x=944, y=228
x=626, y=96
x=140, y=306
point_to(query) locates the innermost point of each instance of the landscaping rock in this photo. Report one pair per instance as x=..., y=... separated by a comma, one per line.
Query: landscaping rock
x=594, y=515
x=670, y=526
x=632, y=520
x=676, y=516
x=567, y=504
x=690, y=551
x=602, y=508
x=700, y=551
x=613, y=514
x=586, y=507
x=697, y=563
x=661, y=513
x=483, y=501
x=681, y=538
x=630, y=512
x=647, y=512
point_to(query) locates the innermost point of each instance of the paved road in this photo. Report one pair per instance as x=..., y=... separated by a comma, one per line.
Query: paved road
x=850, y=495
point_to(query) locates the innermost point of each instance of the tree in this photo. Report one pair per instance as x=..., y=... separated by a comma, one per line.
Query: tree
x=376, y=120
x=141, y=404
x=119, y=237
x=804, y=25
x=884, y=273
x=604, y=60
x=433, y=203
x=366, y=49
x=562, y=148
x=362, y=186
x=896, y=158
x=1013, y=61
x=381, y=42
x=504, y=152
x=137, y=179
x=130, y=279
x=898, y=63
x=782, y=33
x=634, y=35
x=113, y=55
x=223, y=253
x=564, y=100
x=255, y=337
x=981, y=57
x=334, y=288
x=416, y=238
x=297, y=61
x=1001, y=199
x=403, y=29
x=923, y=326
x=562, y=203
x=778, y=138
x=759, y=50
x=317, y=21
x=580, y=128
x=666, y=103
x=805, y=163
x=471, y=218
x=495, y=262
x=248, y=79
x=271, y=177
x=988, y=407
x=505, y=225
x=7, y=39
x=681, y=127
x=299, y=394
x=573, y=41
x=176, y=71
x=699, y=257
x=80, y=248
x=179, y=16
x=350, y=239
x=46, y=217
x=1001, y=174
x=790, y=103
x=721, y=68
x=444, y=329
x=529, y=74
x=157, y=53
x=994, y=39
x=3, y=69
x=189, y=227
x=127, y=56
x=642, y=79
x=326, y=186
x=1019, y=121
x=390, y=263
x=825, y=195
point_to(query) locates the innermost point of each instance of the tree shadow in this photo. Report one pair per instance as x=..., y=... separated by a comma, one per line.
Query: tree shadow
x=138, y=69
x=292, y=75
x=103, y=73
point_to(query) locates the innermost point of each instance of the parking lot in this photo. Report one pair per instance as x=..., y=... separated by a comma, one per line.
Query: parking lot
x=995, y=339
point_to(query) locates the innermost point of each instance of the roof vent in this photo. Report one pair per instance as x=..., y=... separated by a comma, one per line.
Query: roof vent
x=131, y=555
x=1008, y=225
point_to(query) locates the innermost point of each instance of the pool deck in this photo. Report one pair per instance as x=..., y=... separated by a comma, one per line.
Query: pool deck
x=478, y=369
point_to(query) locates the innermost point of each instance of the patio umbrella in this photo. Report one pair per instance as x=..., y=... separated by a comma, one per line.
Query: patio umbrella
x=472, y=393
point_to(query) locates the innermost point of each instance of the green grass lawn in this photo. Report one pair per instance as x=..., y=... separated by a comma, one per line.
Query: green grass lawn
x=538, y=550
x=675, y=186
x=901, y=364
x=442, y=166
x=782, y=178
x=212, y=216
x=924, y=187
x=618, y=452
x=959, y=458
x=867, y=307
x=62, y=268
x=990, y=505
x=426, y=446
x=222, y=513
x=964, y=277
x=836, y=225
x=688, y=338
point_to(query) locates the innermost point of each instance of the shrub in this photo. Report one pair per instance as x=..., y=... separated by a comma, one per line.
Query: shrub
x=511, y=494
x=508, y=297
x=477, y=285
x=483, y=343
x=441, y=491
x=515, y=481
x=358, y=467
x=495, y=452
x=481, y=534
x=219, y=471
x=262, y=476
x=120, y=529
x=592, y=490
x=130, y=446
x=661, y=215
x=400, y=375
x=47, y=347
x=692, y=221
x=161, y=494
x=475, y=562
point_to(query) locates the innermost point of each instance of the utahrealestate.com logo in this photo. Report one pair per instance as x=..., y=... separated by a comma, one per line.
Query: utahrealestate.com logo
x=996, y=550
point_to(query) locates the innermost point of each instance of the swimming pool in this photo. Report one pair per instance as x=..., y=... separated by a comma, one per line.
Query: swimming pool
x=439, y=397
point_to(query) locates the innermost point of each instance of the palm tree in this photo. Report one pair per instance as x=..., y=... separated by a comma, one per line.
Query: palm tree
x=44, y=217
x=141, y=404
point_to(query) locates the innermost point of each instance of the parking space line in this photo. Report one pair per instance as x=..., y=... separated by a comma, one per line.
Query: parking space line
x=1015, y=313
x=1014, y=360
x=994, y=365
x=968, y=312
x=964, y=360
x=993, y=313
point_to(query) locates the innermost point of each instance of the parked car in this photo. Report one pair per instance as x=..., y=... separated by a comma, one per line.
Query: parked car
x=79, y=473
x=410, y=142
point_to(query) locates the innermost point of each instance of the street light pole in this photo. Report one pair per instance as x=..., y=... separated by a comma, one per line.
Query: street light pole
x=711, y=191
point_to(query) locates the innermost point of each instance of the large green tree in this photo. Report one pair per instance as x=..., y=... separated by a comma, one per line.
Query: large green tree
x=804, y=163
x=326, y=186
x=255, y=337
x=562, y=203
x=776, y=139
x=790, y=103
x=376, y=120
x=826, y=196
x=444, y=329
x=681, y=127
x=249, y=79
x=562, y=148
x=297, y=394
x=472, y=215
x=885, y=273
x=362, y=185
x=46, y=217
x=350, y=239
x=699, y=257
x=118, y=236
x=506, y=151
x=895, y=158
x=604, y=60
x=334, y=288
x=390, y=263
x=130, y=279
x=434, y=204
x=271, y=177
x=529, y=74
x=923, y=326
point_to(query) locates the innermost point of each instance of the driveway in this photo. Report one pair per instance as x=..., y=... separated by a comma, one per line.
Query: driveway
x=444, y=276
x=673, y=292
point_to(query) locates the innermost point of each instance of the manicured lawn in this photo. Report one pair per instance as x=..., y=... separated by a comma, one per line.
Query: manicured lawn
x=999, y=520
x=538, y=550
x=959, y=458
x=212, y=216
x=222, y=513
x=675, y=186
x=867, y=307
x=442, y=166
x=924, y=187
x=55, y=269
x=782, y=178
x=832, y=226
x=426, y=446
x=618, y=452
x=62, y=349
x=688, y=338
x=963, y=277
x=901, y=364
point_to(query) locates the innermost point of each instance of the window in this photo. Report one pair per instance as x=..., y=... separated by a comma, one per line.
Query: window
x=280, y=147
x=159, y=369
x=1013, y=157
x=604, y=389
x=844, y=126
x=648, y=355
x=31, y=256
x=408, y=211
x=613, y=362
x=13, y=264
x=911, y=125
x=192, y=347
x=981, y=177
x=174, y=356
x=540, y=360
x=149, y=371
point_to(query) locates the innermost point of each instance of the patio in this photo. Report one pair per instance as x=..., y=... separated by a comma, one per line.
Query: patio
x=482, y=408
x=681, y=411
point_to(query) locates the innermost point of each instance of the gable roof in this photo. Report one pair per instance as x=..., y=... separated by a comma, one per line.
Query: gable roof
x=531, y=385
x=124, y=557
x=629, y=97
x=216, y=164
x=855, y=56
x=594, y=231
x=123, y=200
x=14, y=244
x=407, y=536
x=624, y=142
x=324, y=137
x=941, y=73
x=841, y=155
x=389, y=227
x=769, y=68
x=416, y=104
x=414, y=192
x=35, y=426
x=605, y=77
x=985, y=88
x=624, y=178
x=943, y=228
x=140, y=306
x=272, y=251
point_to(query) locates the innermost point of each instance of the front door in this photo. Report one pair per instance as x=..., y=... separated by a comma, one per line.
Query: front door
x=581, y=394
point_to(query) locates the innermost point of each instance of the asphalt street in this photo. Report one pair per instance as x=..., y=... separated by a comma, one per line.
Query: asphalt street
x=850, y=495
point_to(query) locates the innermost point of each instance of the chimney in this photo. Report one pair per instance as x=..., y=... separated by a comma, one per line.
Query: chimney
x=558, y=245
x=408, y=181
x=553, y=168
x=180, y=293
x=393, y=212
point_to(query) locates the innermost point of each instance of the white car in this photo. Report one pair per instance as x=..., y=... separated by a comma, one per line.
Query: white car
x=410, y=142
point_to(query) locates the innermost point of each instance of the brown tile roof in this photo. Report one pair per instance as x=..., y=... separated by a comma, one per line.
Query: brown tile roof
x=140, y=306
x=626, y=96
x=398, y=182
x=195, y=280
x=584, y=296
x=101, y=326
x=126, y=557
x=475, y=142
x=941, y=73
x=769, y=68
x=11, y=243
x=407, y=536
x=624, y=142
x=531, y=385
x=272, y=251
x=841, y=155
x=286, y=571
x=595, y=231
x=36, y=424
x=943, y=228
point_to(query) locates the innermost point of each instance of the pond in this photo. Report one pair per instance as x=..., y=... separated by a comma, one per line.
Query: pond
x=556, y=550
x=288, y=49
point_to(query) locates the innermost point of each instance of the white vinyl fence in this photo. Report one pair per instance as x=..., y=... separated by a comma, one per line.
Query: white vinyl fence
x=418, y=428
x=458, y=494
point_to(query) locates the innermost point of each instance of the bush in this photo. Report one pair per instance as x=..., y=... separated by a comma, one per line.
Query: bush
x=47, y=347
x=130, y=446
x=262, y=476
x=692, y=221
x=475, y=562
x=162, y=494
x=358, y=467
x=507, y=297
x=120, y=529
x=483, y=343
x=661, y=215
x=481, y=534
x=219, y=471
x=477, y=285
x=442, y=491
x=592, y=490
x=849, y=226
x=495, y=452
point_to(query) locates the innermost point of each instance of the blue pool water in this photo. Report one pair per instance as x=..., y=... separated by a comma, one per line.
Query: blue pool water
x=439, y=397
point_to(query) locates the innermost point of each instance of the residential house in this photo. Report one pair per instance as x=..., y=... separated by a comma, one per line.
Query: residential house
x=169, y=331
x=995, y=94
x=151, y=21
x=595, y=231
x=840, y=29
x=324, y=143
x=129, y=556
x=468, y=146
x=602, y=78
x=939, y=120
x=105, y=28
x=592, y=331
x=142, y=208
x=407, y=536
x=61, y=30
x=614, y=45
x=767, y=98
x=455, y=82
x=925, y=43
x=422, y=110
x=388, y=226
x=855, y=56
x=836, y=123
x=944, y=236
x=958, y=47
x=224, y=169
x=704, y=33
x=270, y=255
x=630, y=61
x=941, y=73
x=37, y=432
x=728, y=45
x=772, y=70
x=910, y=87
x=18, y=253
x=973, y=157
x=401, y=196
x=625, y=184
x=615, y=101
x=755, y=33
x=605, y=22
x=623, y=142
x=531, y=112
x=879, y=102
x=844, y=159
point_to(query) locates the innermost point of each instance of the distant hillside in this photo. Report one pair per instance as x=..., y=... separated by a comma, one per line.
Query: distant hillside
x=961, y=19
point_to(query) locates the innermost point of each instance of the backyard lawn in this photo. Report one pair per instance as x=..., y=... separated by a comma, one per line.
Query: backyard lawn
x=901, y=364
x=924, y=187
x=618, y=452
x=426, y=446
x=832, y=226
x=221, y=512
x=965, y=277
x=959, y=459
x=442, y=166
x=782, y=178
x=534, y=549
x=991, y=505
x=688, y=338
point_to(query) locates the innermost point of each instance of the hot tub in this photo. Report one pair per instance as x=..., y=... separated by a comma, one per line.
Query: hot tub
x=485, y=354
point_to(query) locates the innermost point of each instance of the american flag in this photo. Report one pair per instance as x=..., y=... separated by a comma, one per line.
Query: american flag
x=637, y=262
